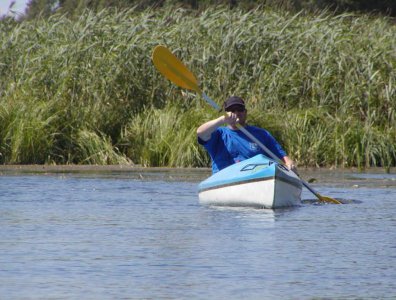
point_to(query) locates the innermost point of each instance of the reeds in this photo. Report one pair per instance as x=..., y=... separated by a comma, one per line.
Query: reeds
x=165, y=137
x=85, y=91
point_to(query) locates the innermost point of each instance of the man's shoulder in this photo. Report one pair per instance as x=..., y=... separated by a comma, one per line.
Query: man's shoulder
x=259, y=131
x=255, y=128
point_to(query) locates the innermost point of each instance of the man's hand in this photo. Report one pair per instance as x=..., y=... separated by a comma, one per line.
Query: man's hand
x=231, y=118
x=290, y=164
x=293, y=168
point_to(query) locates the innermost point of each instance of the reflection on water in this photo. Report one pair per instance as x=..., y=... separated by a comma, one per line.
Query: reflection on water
x=117, y=236
x=264, y=217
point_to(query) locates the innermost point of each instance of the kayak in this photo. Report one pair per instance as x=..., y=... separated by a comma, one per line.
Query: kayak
x=258, y=182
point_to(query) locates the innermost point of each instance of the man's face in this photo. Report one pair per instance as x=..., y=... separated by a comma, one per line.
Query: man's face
x=240, y=112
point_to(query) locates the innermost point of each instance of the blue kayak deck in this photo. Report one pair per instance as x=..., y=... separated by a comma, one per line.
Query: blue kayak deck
x=256, y=168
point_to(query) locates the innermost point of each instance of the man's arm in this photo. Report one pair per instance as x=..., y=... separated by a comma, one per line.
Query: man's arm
x=205, y=131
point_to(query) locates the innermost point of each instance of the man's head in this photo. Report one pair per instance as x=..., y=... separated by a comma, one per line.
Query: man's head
x=236, y=105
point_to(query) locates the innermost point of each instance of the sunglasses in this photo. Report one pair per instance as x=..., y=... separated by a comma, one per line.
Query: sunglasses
x=236, y=109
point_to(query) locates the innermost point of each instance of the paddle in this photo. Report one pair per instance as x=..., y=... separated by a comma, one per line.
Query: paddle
x=174, y=70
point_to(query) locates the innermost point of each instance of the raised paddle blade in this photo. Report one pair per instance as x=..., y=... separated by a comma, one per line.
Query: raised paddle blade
x=173, y=69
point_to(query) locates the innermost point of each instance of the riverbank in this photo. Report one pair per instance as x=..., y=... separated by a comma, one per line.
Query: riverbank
x=340, y=177
x=129, y=171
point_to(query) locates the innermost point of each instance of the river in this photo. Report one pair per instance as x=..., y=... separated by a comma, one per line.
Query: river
x=143, y=235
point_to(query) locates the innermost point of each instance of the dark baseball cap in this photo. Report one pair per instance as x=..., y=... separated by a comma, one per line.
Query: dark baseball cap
x=233, y=100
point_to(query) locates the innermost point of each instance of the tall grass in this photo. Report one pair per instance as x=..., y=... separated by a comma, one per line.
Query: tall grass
x=165, y=137
x=85, y=91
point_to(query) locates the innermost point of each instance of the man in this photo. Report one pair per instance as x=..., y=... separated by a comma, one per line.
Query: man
x=227, y=145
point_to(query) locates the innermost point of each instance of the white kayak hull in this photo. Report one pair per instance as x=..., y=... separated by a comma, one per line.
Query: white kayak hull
x=257, y=182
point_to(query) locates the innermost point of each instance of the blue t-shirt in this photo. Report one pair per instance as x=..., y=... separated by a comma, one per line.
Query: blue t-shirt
x=227, y=146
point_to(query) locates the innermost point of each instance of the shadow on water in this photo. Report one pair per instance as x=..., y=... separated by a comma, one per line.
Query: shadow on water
x=317, y=202
x=264, y=210
x=271, y=215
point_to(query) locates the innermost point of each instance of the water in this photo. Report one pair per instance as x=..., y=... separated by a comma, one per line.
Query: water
x=123, y=236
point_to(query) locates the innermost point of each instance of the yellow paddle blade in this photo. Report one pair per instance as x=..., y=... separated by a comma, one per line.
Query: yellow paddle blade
x=328, y=199
x=320, y=197
x=173, y=69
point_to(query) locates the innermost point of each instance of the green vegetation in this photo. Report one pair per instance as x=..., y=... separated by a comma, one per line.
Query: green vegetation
x=84, y=90
x=75, y=7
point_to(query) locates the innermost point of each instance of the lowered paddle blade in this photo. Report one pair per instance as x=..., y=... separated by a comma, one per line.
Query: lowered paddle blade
x=173, y=69
x=319, y=196
x=328, y=199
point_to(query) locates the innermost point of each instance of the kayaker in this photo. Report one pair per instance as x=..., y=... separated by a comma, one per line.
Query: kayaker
x=227, y=145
